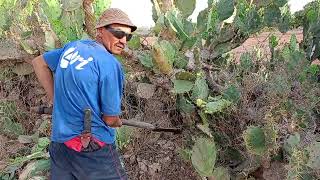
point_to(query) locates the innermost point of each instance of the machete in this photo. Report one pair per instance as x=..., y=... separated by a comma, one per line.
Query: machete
x=133, y=123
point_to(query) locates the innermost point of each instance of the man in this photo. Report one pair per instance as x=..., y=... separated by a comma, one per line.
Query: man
x=87, y=84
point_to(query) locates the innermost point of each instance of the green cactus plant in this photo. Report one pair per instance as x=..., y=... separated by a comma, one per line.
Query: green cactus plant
x=182, y=86
x=204, y=154
x=186, y=7
x=176, y=23
x=221, y=173
x=217, y=106
x=255, y=140
x=314, y=156
x=200, y=89
x=163, y=54
x=225, y=9
x=297, y=165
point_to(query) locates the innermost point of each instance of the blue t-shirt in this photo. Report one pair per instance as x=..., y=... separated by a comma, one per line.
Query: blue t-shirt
x=86, y=75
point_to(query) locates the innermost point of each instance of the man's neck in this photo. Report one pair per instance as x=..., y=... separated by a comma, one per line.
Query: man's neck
x=100, y=42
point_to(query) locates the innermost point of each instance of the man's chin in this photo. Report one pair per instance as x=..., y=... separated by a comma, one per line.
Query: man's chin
x=116, y=52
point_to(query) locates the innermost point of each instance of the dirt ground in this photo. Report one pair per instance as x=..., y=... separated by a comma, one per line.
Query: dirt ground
x=261, y=41
x=154, y=156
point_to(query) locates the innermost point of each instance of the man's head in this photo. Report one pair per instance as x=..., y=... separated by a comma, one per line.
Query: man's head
x=114, y=29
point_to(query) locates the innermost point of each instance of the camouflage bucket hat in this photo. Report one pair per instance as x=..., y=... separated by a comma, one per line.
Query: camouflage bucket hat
x=115, y=16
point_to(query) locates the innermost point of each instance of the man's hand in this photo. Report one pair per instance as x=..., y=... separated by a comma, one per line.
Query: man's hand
x=112, y=121
x=316, y=62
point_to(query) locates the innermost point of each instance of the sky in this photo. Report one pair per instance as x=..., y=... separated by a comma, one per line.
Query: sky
x=140, y=11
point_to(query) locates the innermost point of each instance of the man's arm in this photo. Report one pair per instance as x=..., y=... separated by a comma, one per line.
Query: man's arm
x=112, y=121
x=44, y=75
x=111, y=89
x=316, y=62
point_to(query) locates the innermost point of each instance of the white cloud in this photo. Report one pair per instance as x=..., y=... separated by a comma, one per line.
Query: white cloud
x=140, y=11
x=297, y=5
x=201, y=5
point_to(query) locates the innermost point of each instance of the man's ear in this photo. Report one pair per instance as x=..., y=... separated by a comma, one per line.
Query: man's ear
x=99, y=32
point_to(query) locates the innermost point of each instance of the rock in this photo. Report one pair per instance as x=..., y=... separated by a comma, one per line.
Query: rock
x=34, y=169
x=145, y=90
x=168, y=145
x=27, y=171
x=276, y=171
x=24, y=139
x=142, y=164
x=132, y=159
x=10, y=51
x=22, y=69
x=154, y=168
x=165, y=160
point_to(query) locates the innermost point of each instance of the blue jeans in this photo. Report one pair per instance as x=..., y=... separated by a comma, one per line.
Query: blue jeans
x=103, y=164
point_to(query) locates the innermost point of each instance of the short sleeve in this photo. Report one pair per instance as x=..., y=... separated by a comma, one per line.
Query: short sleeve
x=111, y=89
x=52, y=58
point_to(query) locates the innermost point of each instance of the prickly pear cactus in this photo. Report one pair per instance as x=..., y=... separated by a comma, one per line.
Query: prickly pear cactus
x=255, y=140
x=163, y=55
x=186, y=7
x=204, y=154
x=221, y=173
x=314, y=156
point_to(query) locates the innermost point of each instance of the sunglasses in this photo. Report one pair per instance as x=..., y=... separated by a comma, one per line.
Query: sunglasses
x=119, y=34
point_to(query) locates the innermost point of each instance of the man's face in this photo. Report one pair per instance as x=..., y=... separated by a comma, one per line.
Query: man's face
x=114, y=38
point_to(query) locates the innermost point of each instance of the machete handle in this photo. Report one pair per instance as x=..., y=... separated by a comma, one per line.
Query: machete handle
x=87, y=121
x=138, y=124
x=149, y=126
x=133, y=123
